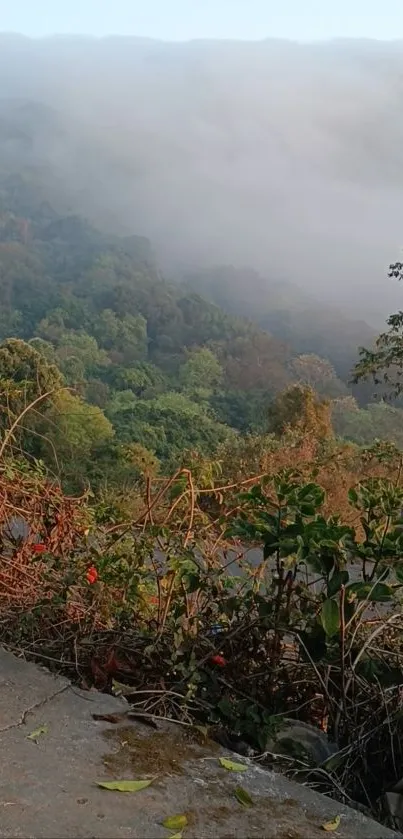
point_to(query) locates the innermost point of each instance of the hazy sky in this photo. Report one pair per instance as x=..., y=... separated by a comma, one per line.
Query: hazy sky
x=183, y=19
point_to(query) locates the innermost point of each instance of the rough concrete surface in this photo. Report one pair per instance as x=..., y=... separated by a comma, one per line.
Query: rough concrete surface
x=48, y=787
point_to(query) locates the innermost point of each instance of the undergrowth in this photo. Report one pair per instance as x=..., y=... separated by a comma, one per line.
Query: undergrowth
x=169, y=609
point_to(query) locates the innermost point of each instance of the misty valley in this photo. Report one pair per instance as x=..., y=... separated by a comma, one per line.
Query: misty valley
x=201, y=413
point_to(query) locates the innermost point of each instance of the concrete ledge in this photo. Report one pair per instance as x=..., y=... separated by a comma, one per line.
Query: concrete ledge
x=48, y=788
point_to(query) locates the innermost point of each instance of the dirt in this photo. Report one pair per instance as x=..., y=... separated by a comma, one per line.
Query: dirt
x=160, y=753
x=167, y=753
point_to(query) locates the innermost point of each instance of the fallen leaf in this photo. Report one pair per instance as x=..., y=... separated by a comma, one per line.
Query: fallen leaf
x=43, y=729
x=231, y=766
x=124, y=786
x=120, y=688
x=175, y=823
x=333, y=825
x=202, y=729
x=243, y=797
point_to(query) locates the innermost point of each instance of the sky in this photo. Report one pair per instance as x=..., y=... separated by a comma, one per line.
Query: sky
x=178, y=20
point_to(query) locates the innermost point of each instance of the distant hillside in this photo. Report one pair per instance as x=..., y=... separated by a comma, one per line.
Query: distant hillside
x=282, y=156
x=286, y=312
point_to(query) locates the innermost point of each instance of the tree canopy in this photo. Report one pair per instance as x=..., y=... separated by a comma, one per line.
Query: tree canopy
x=129, y=359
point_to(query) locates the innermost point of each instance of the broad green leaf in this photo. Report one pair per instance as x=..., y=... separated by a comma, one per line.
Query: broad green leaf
x=310, y=490
x=330, y=617
x=333, y=825
x=378, y=592
x=124, y=786
x=231, y=766
x=43, y=729
x=175, y=822
x=307, y=509
x=243, y=797
x=338, y=579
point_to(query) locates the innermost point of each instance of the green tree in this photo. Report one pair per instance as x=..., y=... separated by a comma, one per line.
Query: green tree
x=144, y=379
x=28, y=384
x=76, y=352
x=384, y=362
x=201, y=373
x=24, y=375
x=379, y=421
x=72, y=432
x=167, y=425
x=125, y=338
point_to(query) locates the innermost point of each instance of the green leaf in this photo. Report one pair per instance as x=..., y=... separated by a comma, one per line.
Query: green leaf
x=330, y=617
x=307, y=509
x=378, y=592
x=231, y=766
x=124, y=786
x=243, y=797
x=353, y=496
x=338, y=579
x=175, y=822
x=333, y=825
x=178, y=488
x=120, y=688
x=334, y=761
x=43, y=729
x=310, y=490
x=226, y=707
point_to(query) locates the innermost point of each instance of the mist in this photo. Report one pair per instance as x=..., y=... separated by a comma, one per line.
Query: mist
x=284, y=157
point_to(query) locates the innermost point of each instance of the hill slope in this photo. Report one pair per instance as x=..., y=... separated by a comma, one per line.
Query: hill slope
x=170, y=370
x=289, y=314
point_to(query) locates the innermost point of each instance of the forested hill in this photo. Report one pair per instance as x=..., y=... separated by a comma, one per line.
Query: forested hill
x=168, y=370
x=155, y=370
x=59, y=275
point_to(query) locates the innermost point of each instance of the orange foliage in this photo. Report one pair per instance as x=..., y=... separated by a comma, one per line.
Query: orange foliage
x=39, y=527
